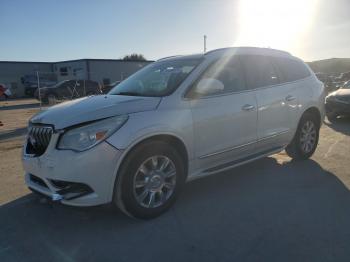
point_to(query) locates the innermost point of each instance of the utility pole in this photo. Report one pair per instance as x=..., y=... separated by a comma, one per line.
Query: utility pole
x=38, y=79
x=205, y=43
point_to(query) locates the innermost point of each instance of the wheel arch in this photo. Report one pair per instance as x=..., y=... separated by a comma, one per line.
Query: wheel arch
x=172, y=139
x=313, y=111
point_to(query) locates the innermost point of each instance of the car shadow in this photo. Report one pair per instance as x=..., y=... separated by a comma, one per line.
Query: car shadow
x=341, y=125
x=269, y=210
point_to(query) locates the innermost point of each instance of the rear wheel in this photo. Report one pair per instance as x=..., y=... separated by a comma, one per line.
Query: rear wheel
x=306, y=137
x=151, y=178
x=51, y=99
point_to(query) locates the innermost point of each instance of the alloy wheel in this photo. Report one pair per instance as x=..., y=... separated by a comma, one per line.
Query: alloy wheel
x=308, y=136
x=154, y=181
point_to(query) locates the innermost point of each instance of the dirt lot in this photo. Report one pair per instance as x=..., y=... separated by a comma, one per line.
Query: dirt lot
x=273, y=209
x=14, y=116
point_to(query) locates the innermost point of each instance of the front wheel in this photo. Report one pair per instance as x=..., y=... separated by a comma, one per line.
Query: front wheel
x=306, y=137
x=151, y=178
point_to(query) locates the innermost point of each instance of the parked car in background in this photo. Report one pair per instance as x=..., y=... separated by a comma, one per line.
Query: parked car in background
x=68, y=89
x=345, y=76
x=175, y=120
x=109, y=87
x=4, y=92
x=338, y=102
x=326, y=80
x=30, y=82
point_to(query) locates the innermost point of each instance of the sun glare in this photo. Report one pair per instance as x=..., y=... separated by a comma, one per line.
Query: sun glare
x=280, y=24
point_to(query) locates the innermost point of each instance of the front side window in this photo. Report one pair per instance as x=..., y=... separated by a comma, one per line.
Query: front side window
x=259, y=71
x=223, y=76
x=158, y=79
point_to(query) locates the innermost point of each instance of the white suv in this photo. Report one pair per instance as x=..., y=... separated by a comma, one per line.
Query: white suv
x=175, y=120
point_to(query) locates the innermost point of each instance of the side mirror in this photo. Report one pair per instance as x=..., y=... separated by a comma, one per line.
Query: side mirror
x=209, y=86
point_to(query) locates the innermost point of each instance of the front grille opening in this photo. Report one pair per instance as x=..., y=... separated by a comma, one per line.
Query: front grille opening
x=38, y=139
x=59, y=184
x=71, y=190
x=38, y=181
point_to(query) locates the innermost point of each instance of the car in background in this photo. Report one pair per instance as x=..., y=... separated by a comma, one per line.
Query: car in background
x=68, y=89
x=30, y=82
x=338, y=102
x=4, y=92
x=326, y=80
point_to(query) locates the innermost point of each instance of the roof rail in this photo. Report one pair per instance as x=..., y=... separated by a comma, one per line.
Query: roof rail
x=219, y=49
x=252, y=47
x=168, y=57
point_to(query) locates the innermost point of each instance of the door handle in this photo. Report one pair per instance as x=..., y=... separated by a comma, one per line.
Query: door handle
x=290, y=98
x=248, y=107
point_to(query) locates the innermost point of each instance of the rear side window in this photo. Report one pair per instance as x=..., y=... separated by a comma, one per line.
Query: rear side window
x=259, y=71
x=290, y=69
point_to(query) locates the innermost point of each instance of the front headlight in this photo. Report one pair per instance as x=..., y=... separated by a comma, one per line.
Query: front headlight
x=87, y=136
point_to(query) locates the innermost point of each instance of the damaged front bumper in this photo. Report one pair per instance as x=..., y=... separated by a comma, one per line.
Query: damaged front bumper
x=73, y=178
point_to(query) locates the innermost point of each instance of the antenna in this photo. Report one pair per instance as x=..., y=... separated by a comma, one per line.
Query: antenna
x=205, y=43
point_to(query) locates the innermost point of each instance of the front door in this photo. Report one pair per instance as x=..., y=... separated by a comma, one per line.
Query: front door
x=224, y=119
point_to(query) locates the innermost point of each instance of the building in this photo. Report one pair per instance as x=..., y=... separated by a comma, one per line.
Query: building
x=22, y=76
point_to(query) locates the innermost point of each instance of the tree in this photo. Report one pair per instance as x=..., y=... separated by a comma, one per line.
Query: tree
x=134, y=57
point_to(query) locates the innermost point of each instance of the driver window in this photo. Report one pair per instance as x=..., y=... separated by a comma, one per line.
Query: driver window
x=226, y=72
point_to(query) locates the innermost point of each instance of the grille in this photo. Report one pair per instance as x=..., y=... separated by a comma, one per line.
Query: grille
x=38, y=139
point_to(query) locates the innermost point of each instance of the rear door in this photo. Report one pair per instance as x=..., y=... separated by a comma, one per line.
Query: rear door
x=276, y=102
x=224, y=121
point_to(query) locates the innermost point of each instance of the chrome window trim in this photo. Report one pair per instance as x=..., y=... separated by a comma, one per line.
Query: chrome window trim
x=200, y=73
x=244, y=91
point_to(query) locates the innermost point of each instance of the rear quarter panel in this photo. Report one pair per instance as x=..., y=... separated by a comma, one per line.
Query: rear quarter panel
x=311, y=94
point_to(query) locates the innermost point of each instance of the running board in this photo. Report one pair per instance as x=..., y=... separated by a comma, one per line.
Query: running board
x=240, y=161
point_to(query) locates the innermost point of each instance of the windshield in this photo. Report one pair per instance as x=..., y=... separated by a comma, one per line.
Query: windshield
x=158, y=79
x=58, y=84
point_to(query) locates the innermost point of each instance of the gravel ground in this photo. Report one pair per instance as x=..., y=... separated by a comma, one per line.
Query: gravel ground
x=273, y=209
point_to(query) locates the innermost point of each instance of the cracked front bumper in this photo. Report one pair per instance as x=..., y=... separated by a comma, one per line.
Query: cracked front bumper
x=94, y=169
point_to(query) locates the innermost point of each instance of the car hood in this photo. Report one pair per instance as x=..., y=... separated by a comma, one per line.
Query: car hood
x=92, y=108
x=341, y=92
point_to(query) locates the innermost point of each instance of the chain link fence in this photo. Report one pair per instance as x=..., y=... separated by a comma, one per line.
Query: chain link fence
x=52, y=83
x=51, y=88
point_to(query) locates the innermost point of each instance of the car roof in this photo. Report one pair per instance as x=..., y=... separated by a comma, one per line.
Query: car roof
x=231, y=51
x=247, y=50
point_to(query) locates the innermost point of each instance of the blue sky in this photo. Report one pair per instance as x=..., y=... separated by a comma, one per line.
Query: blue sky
x=47, y=30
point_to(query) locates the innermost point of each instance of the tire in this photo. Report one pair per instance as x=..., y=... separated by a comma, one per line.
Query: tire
x=297, y=148
x=143, y=191
x=51, y=99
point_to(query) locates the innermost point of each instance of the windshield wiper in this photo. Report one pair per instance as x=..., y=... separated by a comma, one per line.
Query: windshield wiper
x=128, y=93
